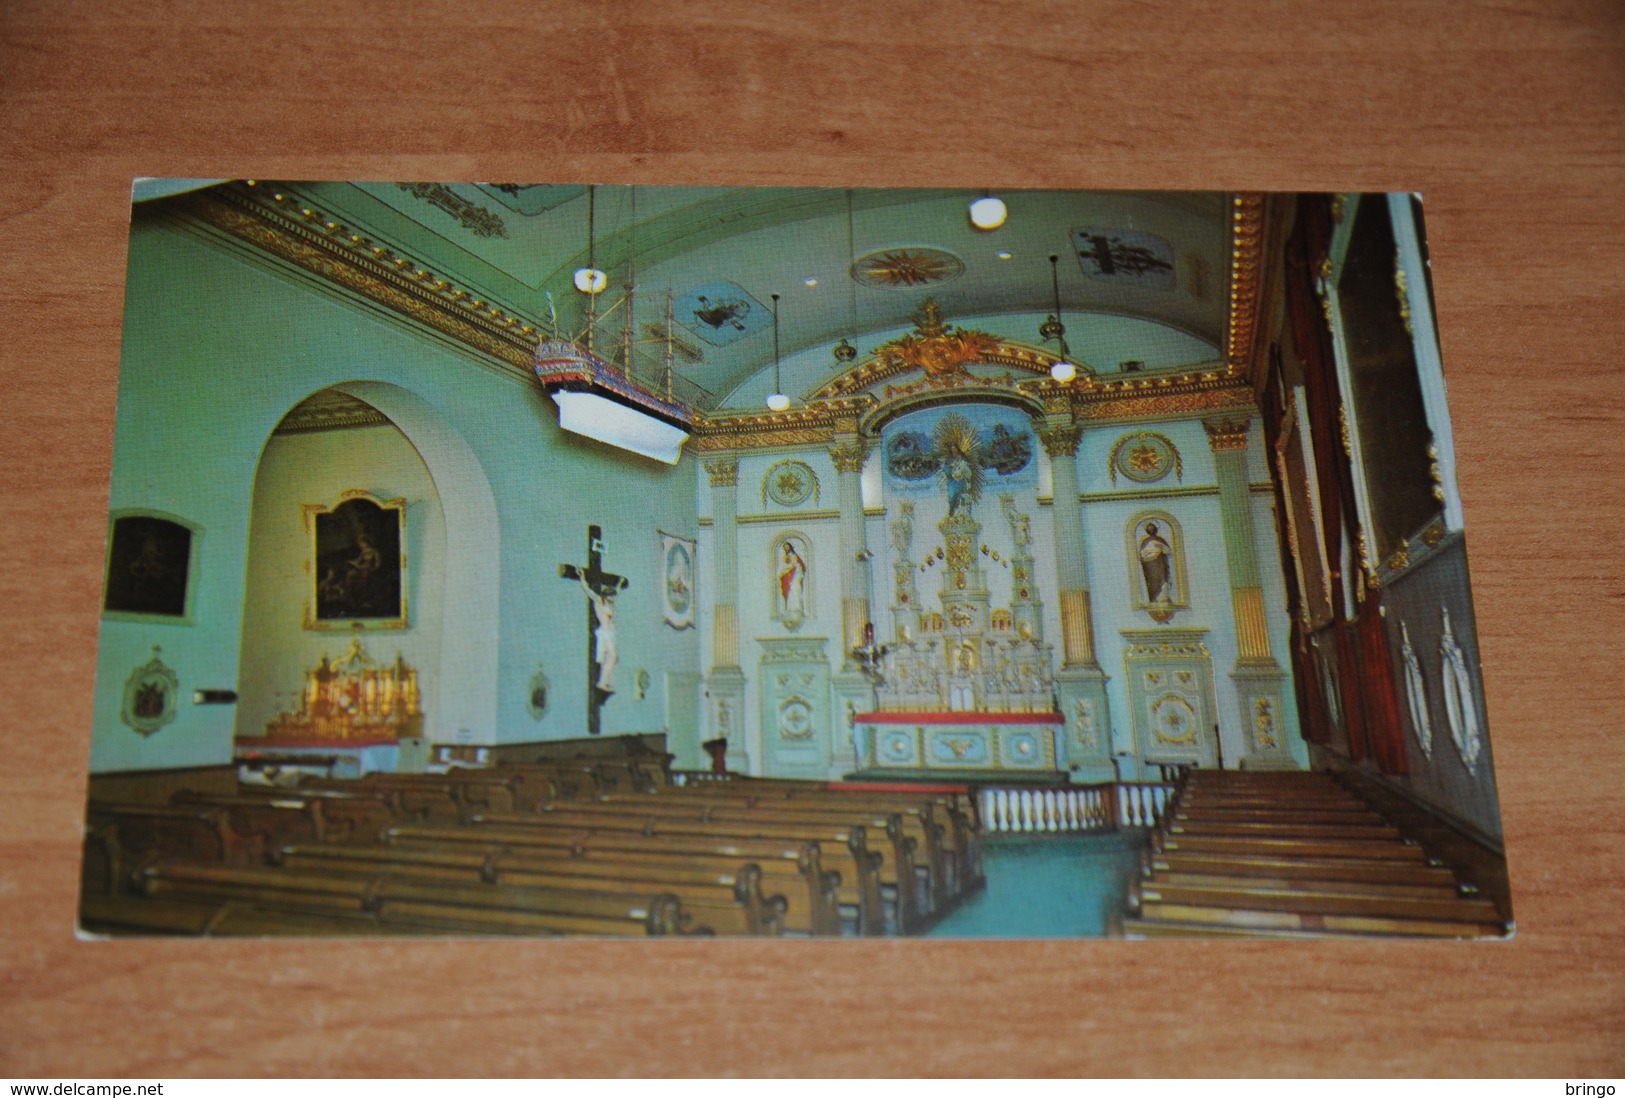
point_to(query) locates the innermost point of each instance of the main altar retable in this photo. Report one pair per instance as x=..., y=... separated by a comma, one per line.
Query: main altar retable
x=967, y=691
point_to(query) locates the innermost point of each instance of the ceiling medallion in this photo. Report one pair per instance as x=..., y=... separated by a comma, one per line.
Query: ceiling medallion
x=906, y=267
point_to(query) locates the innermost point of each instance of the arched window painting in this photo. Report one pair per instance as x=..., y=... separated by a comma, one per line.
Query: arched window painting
x=791, y=558
x=149, y=568
x=358, y=567
x=1156, y=553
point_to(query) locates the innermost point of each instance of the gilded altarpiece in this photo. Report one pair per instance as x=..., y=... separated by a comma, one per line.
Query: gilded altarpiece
x=1170, y=695
x=793, y=685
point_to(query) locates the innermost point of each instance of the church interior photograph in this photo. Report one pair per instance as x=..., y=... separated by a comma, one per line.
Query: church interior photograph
x=599, y=560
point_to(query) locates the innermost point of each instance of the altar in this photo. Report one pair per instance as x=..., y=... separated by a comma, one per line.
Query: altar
x=966, y=692
x=963, y=746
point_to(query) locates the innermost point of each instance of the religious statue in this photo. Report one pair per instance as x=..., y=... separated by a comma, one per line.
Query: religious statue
x=1156, y=562
x=962, y=456
x=792, y=584
x=902, y=528
x=1020, y=524
x=605, y=652
x=869, y=654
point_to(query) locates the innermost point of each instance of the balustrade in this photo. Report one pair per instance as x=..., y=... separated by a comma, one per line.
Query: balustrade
x=1072, y=809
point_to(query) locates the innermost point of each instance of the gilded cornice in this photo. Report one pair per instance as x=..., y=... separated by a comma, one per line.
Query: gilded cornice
x=814, y=424
x=261, y=215
x=330, y=410
x=1246, y=276
x=1166, y=403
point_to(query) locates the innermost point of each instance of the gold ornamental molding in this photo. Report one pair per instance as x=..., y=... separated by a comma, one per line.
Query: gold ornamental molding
x=269, y=218
x=1227, y=434
x=818, y=423
x=724, y=472
x=1060, y=441
x=1246, y=278
x=1166, y=404
x=849, y=456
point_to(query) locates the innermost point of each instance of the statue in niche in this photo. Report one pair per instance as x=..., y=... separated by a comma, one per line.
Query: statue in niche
x=791, y=587
x=1156, y=565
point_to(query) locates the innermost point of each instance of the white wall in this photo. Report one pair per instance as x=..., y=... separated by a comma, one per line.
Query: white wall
x=219, y=346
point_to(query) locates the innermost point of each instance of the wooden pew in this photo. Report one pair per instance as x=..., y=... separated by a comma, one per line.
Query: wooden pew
x=955, y=815
x=730, y=902
x=1327, y=907
x=932, y=888
x=430, y=904
x=472, y=791
x=121, y=916
x=121, y=838
x=1322, y=868
x=280, y=819
x=845, y=846
x=795, y=868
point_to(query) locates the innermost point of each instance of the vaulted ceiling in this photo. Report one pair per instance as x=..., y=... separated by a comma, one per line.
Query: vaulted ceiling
x=1143, y=276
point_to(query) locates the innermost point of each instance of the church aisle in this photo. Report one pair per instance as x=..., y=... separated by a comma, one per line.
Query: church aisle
x=1051, y=887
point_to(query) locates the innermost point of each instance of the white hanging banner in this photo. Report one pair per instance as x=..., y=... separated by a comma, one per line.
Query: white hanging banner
x=677, y=580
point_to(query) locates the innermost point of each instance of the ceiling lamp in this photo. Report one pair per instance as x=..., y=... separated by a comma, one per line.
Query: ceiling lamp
x=776, y=400
x=988, y=213
x=844, y=351
x=589, y=279
x=1052, y=328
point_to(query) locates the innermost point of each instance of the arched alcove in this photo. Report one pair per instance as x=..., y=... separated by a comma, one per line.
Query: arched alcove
x=380, y=444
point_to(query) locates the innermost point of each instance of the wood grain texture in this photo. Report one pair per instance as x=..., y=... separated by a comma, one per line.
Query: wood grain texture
x=1509, y=116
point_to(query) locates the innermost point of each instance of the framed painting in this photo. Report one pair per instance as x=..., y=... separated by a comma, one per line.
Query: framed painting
x=149, y=569
x=357, y=563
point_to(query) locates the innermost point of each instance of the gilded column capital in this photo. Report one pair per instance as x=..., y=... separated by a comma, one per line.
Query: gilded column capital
x=1060, y=441
x=849, y=456
x=724, y=472
x=1227, y=434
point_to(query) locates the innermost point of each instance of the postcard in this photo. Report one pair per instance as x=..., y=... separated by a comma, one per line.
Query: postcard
x=498, y=559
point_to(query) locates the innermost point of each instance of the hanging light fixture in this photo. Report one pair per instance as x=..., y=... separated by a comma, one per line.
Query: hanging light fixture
x=988, y=213
x=589, y=279
x=844, y=351
x=776, y=400
x=1052, y=328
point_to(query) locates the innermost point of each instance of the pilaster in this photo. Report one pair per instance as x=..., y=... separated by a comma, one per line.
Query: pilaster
x=849, y=453
x=725, y=685
x=1259, y=679
x=1080, y=684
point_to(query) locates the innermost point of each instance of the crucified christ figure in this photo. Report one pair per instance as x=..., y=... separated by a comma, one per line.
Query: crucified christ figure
x=604, y=651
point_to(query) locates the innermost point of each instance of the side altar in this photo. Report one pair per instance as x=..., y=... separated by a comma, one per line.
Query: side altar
x=350, y=715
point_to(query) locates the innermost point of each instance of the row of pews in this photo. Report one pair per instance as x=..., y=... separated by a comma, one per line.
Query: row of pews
x=1294, y=855
x=601, y=847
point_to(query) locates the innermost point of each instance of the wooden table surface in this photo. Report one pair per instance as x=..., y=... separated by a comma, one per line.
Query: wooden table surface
x=1508, y=116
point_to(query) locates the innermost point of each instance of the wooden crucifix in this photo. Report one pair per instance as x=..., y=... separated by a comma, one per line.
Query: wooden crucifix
x=602, y=653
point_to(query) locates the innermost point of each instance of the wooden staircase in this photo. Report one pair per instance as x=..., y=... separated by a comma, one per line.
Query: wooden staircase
x=1293, y=855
